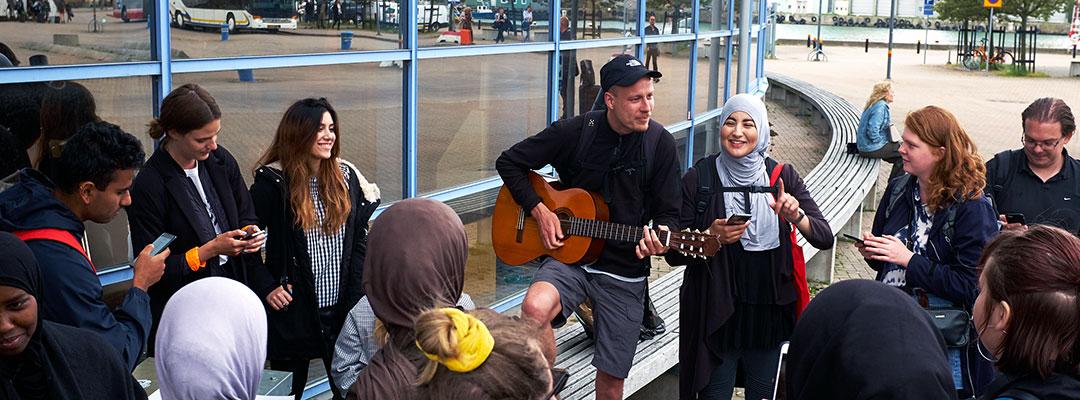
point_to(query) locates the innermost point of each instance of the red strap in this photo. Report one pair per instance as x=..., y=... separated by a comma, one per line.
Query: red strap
x=56, y=235
x=775, y=174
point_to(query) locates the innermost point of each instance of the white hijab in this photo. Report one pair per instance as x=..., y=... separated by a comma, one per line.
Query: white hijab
x=211, y=342
x=749, y=170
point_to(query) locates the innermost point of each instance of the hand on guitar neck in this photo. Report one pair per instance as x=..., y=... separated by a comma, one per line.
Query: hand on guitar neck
x=650, y=245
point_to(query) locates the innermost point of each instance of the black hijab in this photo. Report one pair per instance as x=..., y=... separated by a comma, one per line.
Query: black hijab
x=861, y=339
x=60, y=362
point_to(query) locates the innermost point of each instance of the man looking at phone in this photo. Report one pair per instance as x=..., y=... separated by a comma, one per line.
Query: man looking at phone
x=93, y=174
x=630, y=160
x=1038, y=184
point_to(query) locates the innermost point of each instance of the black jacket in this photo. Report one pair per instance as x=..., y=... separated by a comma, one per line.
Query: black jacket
x=707, y=295
x=1055, y=387
x=294, y=331
x=621, y=185
x=160, y=202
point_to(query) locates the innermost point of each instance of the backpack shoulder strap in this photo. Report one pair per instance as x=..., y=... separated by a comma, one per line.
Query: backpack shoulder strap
x=56, y=235
x=1003, y=173
x=1017, y=394
x=899, y=184
x=589, y=124
x=776, y=168
x=707, y=183
x=649, y=143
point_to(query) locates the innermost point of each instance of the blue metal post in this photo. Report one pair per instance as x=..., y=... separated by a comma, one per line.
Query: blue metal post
x=409, y=133
x=730, y=49
x=692, y=82
x=640, y=53
x=161, y=50
x=553, y=61
x=762, y=24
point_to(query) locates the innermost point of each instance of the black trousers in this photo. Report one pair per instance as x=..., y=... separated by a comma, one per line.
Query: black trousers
x=889, y=154
x=299, y=367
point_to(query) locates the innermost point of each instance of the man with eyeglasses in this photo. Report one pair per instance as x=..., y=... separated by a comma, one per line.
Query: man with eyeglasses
x=1038, y=184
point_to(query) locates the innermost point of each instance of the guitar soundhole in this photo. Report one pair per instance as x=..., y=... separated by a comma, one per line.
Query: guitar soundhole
x=564, y=213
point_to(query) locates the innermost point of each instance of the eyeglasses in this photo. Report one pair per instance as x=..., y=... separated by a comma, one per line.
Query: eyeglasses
x=1045, y=144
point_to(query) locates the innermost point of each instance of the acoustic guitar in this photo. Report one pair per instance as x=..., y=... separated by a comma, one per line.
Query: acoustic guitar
x=583, y=216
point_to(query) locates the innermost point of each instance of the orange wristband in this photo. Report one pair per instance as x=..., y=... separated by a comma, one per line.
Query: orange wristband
x=192, y=257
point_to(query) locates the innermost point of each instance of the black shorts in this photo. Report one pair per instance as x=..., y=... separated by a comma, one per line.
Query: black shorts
x=617, y=307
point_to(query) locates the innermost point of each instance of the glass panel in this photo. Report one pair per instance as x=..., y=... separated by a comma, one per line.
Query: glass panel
x=671, y=90
x=264, y=27
x=56, y=32
x=711, y=68
x=713, y=15
x=367, y=98
x=597, y=19
x=488, y=279
x=477, y=23
x=580, y=82
x=707, y=138
x=680, y=148
x=669, y=17
x=67, y=106
x=470, y=109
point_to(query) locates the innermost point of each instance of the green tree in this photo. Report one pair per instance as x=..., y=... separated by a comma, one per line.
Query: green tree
x=1025, y=10
x=961, y=10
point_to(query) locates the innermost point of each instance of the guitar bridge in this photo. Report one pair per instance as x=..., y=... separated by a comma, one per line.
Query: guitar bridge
x=520, y=225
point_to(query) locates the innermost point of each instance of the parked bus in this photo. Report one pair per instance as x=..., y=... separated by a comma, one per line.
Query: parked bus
x=237, y=14
x=129, y=10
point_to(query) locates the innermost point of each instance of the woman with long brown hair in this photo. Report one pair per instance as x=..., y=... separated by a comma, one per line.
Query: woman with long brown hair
x=315, y=208
x=931, y=226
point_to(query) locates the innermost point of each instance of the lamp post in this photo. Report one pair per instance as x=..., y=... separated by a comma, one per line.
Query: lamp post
x=892, y=24
x=817, y=54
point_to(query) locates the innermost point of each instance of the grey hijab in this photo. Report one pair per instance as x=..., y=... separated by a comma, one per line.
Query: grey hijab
x=749, y=170
x=211, y=343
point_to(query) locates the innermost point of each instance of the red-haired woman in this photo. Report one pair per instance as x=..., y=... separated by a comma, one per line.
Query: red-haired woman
x=315, y=208
x=931, y=227
x=1028, y=313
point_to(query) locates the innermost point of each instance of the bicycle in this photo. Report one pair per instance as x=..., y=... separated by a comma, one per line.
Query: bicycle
x=978, y=57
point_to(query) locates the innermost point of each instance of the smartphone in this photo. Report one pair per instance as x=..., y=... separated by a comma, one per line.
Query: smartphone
x=161, y=243
x=854, y=239
x=779, y=369
x=738, y=219
x=251, y=233
x=1015, y=218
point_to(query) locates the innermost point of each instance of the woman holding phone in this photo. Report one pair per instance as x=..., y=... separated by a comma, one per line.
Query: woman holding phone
x=192, y=188
x=739, y=305
x=931, y=227
x=317, y=207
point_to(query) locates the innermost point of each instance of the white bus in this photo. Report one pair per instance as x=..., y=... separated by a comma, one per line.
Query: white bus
x=237, y=14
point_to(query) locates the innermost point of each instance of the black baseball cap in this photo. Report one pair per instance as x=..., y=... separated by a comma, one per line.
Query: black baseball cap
x=624, y=70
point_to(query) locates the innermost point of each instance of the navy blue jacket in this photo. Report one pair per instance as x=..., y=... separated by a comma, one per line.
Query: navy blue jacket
x=71, y=291
x=947, y=270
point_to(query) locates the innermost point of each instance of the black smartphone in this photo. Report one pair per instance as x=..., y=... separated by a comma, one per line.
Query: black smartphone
x=855, y=239
x=161, y=243
x=738, y=219
x=250, y=233
x=1015, y=218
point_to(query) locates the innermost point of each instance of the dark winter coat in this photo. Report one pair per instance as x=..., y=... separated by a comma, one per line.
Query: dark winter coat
x=160, y=202
x=295, y=330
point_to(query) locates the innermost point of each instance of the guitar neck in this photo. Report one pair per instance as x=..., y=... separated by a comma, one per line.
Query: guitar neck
x=607, y=230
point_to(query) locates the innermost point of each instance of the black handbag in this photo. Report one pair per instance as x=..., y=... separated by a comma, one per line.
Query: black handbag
x=953, y=322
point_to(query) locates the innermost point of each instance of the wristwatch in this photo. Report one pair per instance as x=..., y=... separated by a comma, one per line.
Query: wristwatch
x=801, y=216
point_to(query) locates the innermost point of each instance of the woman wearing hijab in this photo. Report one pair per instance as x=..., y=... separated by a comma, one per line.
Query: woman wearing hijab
x=1028, y=313
x=318, y=207
x=411, y=268
x=739, y=305
x=860, y=339
x=44, y=360
x=221, y=359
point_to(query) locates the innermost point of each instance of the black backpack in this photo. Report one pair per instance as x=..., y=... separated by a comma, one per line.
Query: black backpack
x=1003, y=175
x=588, y=133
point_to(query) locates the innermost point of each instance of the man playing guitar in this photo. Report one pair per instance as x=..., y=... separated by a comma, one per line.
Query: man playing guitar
x=630, y=160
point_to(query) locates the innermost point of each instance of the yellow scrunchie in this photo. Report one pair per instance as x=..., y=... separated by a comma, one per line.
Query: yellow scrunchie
x=474, y=342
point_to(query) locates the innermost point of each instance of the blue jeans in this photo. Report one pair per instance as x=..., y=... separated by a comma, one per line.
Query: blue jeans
x=954, y=353
x=760, y=371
